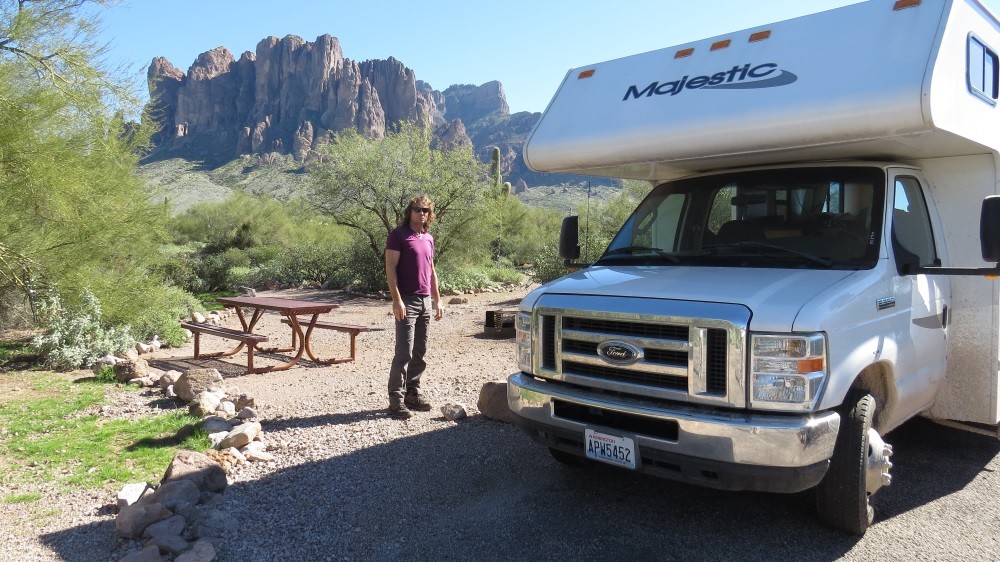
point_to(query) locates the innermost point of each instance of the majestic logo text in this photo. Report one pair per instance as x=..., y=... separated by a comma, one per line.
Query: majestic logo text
x=766, y=75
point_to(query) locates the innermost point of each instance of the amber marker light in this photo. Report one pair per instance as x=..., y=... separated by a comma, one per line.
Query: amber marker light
x=903, y=4
x=720, y=44
x=684, y=53
x=586, y=74
x=760, y=36
x=992, y=276
x=810, y=365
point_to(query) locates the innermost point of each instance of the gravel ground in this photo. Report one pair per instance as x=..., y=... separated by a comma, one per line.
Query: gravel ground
x=312, y=416
x=349, y=483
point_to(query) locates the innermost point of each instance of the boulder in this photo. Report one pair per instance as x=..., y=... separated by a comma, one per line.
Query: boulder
x=197, y=380
x=131, y=369
x=175, y=493
x=241, y=435
x=493, y=402
x=133, y=519
x=203, y=403
x=453, y=411
x=200, y=469
x=169, y=526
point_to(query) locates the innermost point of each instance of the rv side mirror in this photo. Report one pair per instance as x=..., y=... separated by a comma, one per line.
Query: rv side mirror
x=569, y=238
x=989, y=229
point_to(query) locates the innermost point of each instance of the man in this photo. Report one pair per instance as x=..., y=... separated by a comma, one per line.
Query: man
x=413, y=284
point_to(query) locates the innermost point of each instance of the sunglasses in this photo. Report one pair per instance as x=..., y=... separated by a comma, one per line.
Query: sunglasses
x=422, y=209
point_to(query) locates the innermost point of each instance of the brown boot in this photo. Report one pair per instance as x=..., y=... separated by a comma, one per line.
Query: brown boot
x=399, y=411
x=416, y=401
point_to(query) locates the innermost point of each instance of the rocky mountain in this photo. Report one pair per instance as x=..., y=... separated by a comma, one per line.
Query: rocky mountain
x=290, y=94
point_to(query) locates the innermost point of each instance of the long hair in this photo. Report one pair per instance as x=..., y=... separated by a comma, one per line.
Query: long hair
x=418, y=201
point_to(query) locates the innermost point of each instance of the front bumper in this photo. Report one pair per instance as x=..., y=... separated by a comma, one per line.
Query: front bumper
x=715, y=448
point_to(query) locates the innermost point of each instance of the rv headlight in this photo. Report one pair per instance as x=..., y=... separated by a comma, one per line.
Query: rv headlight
x=522, y=338
x=787, y=372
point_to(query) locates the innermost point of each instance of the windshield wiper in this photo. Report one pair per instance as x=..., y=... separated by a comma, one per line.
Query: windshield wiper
x=763, y=245
x=632, y=250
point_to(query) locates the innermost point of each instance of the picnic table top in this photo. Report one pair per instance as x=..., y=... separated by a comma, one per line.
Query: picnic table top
x=281, y=305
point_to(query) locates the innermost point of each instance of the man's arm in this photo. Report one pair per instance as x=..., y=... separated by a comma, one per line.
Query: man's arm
x=435, y=294
x=391, y=261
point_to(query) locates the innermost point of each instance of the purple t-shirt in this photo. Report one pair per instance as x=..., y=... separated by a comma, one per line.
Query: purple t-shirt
x=416, y=255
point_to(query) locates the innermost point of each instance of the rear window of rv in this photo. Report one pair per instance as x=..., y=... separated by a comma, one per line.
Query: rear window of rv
x=982, y=70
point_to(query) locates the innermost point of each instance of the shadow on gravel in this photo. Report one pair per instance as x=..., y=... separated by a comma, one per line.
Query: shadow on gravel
x=480, y=490
x=281, y=424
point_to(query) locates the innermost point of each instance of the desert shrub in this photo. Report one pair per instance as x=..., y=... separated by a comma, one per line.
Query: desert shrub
x=548, y=265
x=178, y=268
x=164, y=323
x=213, y=270
x=470, y=278
x=77, y=338
x=257, y=242
x=105, y=374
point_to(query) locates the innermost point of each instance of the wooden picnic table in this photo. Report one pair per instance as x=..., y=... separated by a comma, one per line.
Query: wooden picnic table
x=291, y=309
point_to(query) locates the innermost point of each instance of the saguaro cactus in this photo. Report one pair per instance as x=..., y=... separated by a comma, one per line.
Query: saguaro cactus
x=500, y=187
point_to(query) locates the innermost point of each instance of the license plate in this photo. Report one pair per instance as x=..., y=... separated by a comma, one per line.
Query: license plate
x=612, y=449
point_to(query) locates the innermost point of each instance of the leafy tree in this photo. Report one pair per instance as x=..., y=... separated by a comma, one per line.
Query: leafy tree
x=529, y=237
x=365, y=184
x=74, y=214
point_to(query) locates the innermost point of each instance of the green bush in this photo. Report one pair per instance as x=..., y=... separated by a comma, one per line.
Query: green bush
x=77, y=338
x=179, y=269
x=548, y=265
x=470, y=278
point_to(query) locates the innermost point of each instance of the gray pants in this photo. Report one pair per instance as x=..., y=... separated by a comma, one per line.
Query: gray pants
x=411, y=344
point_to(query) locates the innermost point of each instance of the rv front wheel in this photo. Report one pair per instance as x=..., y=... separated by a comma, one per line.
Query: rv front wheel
x=859, y=467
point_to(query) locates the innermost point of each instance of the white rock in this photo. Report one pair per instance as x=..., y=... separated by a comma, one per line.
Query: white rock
x=236, y=453
x=226, y=408
x=130, y=493
x=216, y=438
x=257, y=456
x=241, y=435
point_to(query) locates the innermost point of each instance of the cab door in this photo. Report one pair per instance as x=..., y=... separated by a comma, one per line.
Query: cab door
x=922, y=337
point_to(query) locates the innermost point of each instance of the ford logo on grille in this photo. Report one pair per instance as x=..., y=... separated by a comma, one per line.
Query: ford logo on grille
x=619, y=352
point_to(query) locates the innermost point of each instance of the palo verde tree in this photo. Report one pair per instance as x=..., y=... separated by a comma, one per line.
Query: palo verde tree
x=73, y=214
x=365, y=184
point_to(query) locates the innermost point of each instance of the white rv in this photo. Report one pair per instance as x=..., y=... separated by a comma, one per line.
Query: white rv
x=808, y=271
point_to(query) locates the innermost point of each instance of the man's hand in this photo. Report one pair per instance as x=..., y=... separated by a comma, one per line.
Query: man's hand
x=398, y=310
x=438, y=310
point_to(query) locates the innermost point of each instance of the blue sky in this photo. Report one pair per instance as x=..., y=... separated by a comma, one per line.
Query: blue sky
x=526, y=45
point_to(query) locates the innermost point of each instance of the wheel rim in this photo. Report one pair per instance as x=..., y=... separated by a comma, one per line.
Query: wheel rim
x=878, y=463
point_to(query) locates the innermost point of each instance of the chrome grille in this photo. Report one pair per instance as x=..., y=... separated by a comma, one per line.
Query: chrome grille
x=692, y=359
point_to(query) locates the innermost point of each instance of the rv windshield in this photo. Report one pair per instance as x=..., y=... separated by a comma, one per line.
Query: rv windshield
x=823, y=217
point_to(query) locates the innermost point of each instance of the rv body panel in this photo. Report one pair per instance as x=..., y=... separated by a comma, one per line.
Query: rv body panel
x=862, y=81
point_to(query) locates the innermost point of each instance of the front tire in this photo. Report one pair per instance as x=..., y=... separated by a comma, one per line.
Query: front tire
x=842, y=497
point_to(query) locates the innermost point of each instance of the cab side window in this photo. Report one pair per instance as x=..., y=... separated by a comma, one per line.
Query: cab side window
x=912, y=237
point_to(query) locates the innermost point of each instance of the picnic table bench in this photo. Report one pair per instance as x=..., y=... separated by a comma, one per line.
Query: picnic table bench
x=351, y=329
x=246, y=339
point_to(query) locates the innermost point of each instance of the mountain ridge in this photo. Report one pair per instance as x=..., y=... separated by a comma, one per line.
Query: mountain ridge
x=290, y=95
